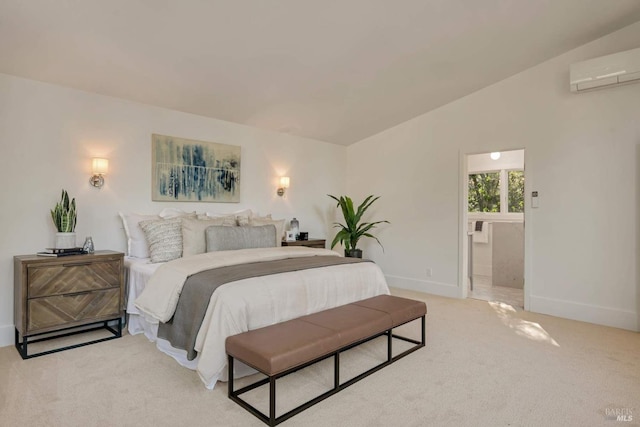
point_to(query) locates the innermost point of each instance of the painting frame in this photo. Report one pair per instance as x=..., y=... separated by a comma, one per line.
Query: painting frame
x=189, y=170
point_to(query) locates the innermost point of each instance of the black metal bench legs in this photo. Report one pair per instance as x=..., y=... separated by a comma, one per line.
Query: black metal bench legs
x=272, y=420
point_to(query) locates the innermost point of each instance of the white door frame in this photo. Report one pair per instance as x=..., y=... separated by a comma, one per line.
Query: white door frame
x=463, y=242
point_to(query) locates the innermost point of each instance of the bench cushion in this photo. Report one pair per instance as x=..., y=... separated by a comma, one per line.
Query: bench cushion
x=276, y=348
x=401, y=310
x=351, y=322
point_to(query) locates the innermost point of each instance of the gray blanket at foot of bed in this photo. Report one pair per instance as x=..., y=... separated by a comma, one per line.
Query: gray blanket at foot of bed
x=181, y=331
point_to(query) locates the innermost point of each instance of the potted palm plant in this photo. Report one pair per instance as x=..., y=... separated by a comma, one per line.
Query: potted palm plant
x=64, y=217
x=353, y=229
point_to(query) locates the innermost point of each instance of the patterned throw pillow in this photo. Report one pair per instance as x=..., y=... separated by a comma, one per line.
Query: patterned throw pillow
x=164, y=237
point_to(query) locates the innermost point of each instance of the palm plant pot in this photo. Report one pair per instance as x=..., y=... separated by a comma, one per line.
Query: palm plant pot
x=353, y=253
x=65, y=240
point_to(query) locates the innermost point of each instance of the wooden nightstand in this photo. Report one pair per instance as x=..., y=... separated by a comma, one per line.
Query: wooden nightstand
x=54, y=295
x=311, y=243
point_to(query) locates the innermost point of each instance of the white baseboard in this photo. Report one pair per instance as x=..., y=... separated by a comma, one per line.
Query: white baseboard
x=436, y=288
x=6, y=335
x=624, y=319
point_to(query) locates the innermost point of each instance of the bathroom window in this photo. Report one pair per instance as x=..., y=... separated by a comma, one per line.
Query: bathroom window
x=516, y=191
x=484, y=192
x=487, y=194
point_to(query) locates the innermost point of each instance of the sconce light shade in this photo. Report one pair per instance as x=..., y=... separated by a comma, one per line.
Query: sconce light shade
x=284, y=184
x=495, y=155
x=99, y=167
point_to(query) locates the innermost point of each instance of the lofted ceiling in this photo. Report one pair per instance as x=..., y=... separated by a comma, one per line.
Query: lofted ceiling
x=332, y=70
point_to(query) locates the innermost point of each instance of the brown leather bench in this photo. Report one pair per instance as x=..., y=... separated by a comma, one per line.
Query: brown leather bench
x=286, y=347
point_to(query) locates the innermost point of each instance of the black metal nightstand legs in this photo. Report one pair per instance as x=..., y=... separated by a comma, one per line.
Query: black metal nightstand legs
x=22, y=346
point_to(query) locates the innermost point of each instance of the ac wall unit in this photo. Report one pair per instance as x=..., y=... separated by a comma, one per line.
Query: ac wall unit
x=615, y=69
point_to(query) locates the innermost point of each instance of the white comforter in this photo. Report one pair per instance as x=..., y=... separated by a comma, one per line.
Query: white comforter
x=256, y=302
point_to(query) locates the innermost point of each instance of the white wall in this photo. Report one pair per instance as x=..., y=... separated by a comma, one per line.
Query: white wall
x=582, y=157
x=49, y=134
x=513, y=159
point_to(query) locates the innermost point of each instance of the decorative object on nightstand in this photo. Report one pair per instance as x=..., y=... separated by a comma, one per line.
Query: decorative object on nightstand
x=353, y=229
x=64, y=217
x=57, y=252
x=294, y=227
x=311, y=243
x=58, y=295
x=290, y=237
x=88, y=245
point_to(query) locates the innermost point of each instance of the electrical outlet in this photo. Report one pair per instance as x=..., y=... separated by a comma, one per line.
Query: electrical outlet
x=429, y=272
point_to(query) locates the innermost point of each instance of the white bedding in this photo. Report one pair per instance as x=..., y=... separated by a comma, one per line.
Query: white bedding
x=138, y=271
x=245, y=304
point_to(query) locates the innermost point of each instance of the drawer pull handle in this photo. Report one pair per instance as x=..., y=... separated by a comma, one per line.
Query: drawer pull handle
x=76, y=264
x=75, y=294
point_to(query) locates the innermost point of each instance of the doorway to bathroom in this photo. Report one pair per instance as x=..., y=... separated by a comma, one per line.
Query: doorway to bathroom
x=495, y=201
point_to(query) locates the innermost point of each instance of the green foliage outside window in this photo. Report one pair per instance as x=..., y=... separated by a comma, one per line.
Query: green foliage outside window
x=516, y=191
x=484, y=192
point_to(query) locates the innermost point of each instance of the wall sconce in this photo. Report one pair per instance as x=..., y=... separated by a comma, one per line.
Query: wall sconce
x=495, y=155
x=99, y=167
x=284, y=184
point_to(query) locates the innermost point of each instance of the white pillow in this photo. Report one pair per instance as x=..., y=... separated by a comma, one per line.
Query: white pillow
x=238, y=218
x=193, y=234
x=245, y=212
x=279, y=223
x=267, y=216
x=168, y=213
x=164, y=237
x=243, y=220
x=136, y=242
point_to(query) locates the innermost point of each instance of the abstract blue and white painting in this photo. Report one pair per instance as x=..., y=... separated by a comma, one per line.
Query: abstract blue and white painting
x=186, y=170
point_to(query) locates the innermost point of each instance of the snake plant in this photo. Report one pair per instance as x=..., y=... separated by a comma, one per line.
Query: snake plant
x=64, y=214
x=352, y=230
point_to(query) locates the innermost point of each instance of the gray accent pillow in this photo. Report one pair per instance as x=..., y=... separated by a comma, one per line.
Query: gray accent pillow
x=221, y=238
x=164, y=237
x=279, y=223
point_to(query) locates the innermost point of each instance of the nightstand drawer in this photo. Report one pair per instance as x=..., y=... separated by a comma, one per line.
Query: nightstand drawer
x=65, y=310
x=311, y=243
x=72, y=277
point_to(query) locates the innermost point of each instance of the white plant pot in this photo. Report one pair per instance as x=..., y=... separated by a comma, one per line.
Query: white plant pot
x=65, y=240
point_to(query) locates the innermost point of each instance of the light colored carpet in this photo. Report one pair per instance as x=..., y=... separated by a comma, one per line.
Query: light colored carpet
x=511, y=296
x=485, y=364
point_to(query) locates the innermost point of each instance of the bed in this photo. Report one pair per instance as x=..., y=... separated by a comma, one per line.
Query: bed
x=155, y=289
